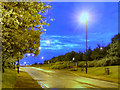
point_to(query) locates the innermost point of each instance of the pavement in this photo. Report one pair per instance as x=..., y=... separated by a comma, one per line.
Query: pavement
x=64, y=79
x=24, y=80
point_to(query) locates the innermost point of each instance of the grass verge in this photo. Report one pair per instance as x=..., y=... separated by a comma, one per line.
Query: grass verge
x=9, y=78
x=24, y=80
x=99, y=73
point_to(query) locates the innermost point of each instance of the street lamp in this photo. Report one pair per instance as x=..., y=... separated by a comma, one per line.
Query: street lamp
x=42, y=57
x=73, y=60
x=84, y=18
x=76, y=63
x=49, y=63
x=101, y=48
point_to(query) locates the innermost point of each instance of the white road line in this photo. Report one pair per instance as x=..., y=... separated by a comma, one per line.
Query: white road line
x=39, y=82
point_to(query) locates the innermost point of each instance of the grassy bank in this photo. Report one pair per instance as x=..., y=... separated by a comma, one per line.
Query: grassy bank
x=24, y=80
x=93, y=72
x=9, y=78
x=99, y=73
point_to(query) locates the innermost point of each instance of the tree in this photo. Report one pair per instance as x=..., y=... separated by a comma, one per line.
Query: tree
x=89, y=53
x=116, y=38
x=69, y=56
x=81, y=56
x=22, y=26
x=97, y=53
x=113, y=51
x=60, y=58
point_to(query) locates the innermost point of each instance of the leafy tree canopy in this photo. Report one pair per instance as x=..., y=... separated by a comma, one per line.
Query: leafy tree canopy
x=22, y=25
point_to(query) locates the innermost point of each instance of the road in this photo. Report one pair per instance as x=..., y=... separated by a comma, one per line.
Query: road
x=64, y=79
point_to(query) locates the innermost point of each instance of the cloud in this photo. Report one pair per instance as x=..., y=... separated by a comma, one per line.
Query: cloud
x=77, y=42
x=62, y=42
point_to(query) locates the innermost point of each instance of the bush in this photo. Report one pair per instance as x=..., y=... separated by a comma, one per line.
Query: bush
x=114, y=61
x=107, y=61
x=92, y=63
x=82, y=63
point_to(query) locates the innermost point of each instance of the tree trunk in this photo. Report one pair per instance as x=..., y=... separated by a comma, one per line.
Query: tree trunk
x=18, y=67
x=14, y=65
x=3, y=66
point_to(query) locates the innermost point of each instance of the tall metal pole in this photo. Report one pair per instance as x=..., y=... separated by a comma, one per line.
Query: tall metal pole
x=86, y=46
x=49, y=64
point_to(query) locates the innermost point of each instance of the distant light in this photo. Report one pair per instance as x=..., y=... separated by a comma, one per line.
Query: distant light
x=73, y=58
x=28, y=54
x=52, y=19
x=33, y=55
x=84, y=17
x=39, y=48
x=24, y=62
x=101, y=48
x=42, y=57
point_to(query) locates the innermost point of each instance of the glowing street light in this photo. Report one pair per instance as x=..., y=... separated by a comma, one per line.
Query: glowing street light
x=39, y=48
x=49, y=63
x=84, y=18
x=73, y=58
x=101, y=48
x=24, y=63
x=42, y=57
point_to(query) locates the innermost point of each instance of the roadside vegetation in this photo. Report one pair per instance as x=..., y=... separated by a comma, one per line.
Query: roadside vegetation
x=93, y=72
x=97, y=60
x=99, y=57
x=9, y=78
x=22, y=26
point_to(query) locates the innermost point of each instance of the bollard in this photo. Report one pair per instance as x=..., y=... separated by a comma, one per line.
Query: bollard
x=82, y=69
x=107, y=71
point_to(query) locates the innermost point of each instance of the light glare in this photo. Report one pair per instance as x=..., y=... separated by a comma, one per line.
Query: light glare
x=84, y=17
x=39, y=48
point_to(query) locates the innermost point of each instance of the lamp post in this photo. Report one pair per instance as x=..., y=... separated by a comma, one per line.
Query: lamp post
x=86, y=46
x=49, y=63
x=76, y=63
x=84, y=18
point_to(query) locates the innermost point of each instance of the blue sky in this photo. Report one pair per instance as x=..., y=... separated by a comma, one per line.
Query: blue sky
x=66, y=33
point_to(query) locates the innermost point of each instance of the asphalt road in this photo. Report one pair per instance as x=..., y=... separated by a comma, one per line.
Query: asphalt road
x=64, y=79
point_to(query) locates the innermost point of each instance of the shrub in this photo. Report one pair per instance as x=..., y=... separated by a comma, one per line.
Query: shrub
x=92, y=63
x=82, y=63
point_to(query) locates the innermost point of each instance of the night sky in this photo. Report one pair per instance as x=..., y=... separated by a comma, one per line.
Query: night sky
x=66, y=33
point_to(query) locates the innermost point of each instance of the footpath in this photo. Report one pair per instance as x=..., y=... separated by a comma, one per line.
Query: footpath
x=24, y=80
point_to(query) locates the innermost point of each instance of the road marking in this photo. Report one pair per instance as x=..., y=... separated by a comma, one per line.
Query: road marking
x=91, y=85
x=43, y=85
x=39, y=82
